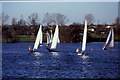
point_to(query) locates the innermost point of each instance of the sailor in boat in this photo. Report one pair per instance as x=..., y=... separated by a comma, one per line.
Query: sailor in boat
x=40, y=45
x=47, y=44
x=78, y=50
x=30, y=49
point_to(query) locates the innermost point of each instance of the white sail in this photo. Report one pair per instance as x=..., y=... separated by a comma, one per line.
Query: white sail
x=84, y=37
x=55, y=38
x=58, y=40
x=48, y=38
x=51, y=37
x=38, y=38
x=108, y=38
x=41, y=36
x=112, y=40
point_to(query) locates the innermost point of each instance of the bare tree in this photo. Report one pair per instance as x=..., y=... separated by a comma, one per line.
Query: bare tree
x=89, y=18
x=21, y=22
x=59, y=19
x=14, y=21
x=33, y=19
x=47, y=19
x=4, y=18
x=117, y=20
x=55, y=18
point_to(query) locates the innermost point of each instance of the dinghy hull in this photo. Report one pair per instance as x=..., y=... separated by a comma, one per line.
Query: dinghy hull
x=51, y=50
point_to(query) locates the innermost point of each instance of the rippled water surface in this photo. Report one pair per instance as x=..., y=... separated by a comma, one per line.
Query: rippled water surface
x=18, y=62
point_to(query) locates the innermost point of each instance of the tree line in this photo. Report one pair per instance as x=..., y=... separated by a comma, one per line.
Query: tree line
x=33, y=19
x=48, y=19
x=72, y=33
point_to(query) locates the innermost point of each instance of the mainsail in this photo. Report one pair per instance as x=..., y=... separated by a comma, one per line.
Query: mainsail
x=51, y=36
x=84, y=37
x=58, y=40
x=55, y=38
x=48, y=38
x=108, y=38
x=38, y=38
x=112, y=40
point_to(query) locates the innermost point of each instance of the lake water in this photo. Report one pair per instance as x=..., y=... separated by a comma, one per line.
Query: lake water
x=18, y=62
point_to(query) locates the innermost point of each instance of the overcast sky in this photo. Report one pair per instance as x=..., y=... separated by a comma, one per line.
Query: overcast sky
x=75, y=11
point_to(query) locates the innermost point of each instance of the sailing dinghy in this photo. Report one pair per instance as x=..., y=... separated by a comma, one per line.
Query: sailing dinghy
x=51, y=37
x=110, y=39
x=84, y=41
x=38, y=40
x=54, y=40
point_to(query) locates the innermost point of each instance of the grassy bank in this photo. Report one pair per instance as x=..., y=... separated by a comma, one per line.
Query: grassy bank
x=31, y=38
x=67, y=34
x=19, y=38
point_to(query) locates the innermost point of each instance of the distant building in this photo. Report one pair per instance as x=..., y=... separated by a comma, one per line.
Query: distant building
x=91, y=29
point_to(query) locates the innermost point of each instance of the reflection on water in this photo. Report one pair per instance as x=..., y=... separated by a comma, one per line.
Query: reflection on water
x=55, y=54
x=84, y=57
x=37, y=54
x=18, y=62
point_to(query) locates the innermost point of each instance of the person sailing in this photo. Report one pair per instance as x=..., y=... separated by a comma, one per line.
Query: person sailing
x=30, y=49
x=78, y=50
